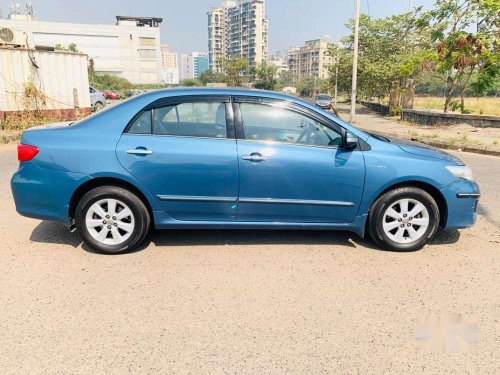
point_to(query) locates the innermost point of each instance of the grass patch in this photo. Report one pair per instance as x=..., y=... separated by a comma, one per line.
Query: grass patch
x=479, y=106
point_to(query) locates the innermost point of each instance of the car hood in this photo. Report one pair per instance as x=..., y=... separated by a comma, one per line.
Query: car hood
x=421, y=149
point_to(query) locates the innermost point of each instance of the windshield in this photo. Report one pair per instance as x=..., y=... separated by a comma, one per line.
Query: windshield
x=323, y=97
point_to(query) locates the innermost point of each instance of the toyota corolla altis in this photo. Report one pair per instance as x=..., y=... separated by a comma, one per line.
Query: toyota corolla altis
x=224, y=158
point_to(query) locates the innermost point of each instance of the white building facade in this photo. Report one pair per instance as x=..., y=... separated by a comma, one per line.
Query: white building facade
x=130, y=48
x=169, y=72
x=310, y=60
x=193, y=64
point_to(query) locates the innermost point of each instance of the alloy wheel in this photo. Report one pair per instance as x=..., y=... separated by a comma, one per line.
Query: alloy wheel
x=110, y=221
x=405, y=221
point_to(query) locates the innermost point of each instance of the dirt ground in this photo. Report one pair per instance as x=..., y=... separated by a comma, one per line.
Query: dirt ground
x=461, y=134
x=213, y=302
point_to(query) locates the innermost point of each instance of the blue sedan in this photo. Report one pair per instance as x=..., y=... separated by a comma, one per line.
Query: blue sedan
x=228, y=158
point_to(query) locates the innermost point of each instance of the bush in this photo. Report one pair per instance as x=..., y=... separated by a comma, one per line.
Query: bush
x=110, y=82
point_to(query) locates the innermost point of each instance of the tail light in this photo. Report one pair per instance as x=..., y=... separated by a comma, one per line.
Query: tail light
x=26, y=152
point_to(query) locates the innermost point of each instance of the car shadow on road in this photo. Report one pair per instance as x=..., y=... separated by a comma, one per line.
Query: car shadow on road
x=52, y=232
x=446, y=237
x=231, y=237
x=55, y=233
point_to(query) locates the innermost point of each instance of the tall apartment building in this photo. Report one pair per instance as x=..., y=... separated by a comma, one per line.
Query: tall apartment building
x=237, y=29
x=193, y=64
x=169, y=72
x=310, y=60
x=130, y=48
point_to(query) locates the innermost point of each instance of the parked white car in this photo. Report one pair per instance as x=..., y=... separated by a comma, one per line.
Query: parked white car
x=97, y=99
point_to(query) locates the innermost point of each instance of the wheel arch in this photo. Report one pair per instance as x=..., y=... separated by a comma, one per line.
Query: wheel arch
x=105, y=181
x=427, y=187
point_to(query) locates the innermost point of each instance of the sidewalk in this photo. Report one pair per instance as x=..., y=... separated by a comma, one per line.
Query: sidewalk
x=455, y=137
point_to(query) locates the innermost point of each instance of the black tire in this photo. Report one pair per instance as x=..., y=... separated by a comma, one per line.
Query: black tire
x=379, y=207
x=98, y=106
x=142, y=219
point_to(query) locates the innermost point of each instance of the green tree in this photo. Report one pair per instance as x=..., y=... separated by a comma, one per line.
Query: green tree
x=465, y=46
x=212, y=77
x=307, y=86
x=265, y=77
x=190, y=82
x=235, y=70
x=70, y=48
x=110, y=82
x=286, y=79
x=388, y=57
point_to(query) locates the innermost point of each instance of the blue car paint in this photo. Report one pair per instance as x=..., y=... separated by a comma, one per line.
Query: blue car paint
x=299, y=183
x=183, y=170
x=96, y=148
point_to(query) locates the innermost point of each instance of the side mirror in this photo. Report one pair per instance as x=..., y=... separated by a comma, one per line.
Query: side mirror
x=349, y=141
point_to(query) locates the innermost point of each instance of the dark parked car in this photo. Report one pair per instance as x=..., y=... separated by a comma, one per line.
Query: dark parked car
x=226, y=158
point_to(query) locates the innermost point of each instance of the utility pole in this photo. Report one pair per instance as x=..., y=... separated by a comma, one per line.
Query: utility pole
x=355, y=64
x=337, y=59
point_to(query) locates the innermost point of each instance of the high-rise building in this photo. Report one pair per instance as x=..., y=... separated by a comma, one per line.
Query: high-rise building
x=130, y=48
x=237, y=29
x=169, y=72
x=310, y=60
x=193, y=64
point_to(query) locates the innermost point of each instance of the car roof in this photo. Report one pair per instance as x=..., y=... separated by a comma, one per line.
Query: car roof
x=219, y=91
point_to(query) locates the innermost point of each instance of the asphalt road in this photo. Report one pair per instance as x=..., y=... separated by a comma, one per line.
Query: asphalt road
x=246, y=301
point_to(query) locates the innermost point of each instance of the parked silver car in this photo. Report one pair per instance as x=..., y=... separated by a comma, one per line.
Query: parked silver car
x=324, y=101
x=97, y=99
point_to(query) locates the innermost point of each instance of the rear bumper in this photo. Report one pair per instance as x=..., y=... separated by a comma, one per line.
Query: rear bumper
x=44, y=195
x=462, y=198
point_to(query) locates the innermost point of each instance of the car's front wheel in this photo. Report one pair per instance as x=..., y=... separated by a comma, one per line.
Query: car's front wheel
x=111, y=219
x=403, y=219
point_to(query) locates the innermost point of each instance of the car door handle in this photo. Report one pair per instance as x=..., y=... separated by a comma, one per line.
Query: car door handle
x=139, y=151
x=255, y=157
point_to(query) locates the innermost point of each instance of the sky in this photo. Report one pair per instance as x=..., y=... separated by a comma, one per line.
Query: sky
x=184, y=27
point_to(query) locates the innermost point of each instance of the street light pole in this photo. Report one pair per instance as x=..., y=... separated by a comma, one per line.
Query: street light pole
x=355, y=64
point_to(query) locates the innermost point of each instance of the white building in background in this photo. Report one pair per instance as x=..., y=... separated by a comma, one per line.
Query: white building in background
x=169, y=72
x=237, y=29
x=310, y=60
x=280, y=61
x=193, y=64
x=130, y=48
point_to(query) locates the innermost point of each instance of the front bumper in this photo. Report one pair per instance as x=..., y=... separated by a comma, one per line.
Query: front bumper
x=324, y=106
x=462, y=198
x=42, y=194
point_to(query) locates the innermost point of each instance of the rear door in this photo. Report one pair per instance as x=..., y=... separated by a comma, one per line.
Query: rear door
x=291, y=167
x=184, y=152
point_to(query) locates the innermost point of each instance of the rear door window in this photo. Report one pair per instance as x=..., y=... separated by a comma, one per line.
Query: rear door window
x=142, y=125
x=194, y=119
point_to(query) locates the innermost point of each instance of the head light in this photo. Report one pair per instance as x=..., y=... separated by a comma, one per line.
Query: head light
x=460, y=171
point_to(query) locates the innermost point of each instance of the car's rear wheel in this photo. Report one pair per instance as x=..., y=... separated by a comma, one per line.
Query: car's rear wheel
x=98, y=106
x=111, y=219
x=403, y=219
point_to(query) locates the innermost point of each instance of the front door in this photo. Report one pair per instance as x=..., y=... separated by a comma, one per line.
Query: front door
x=292, y=170
x=182, y=154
